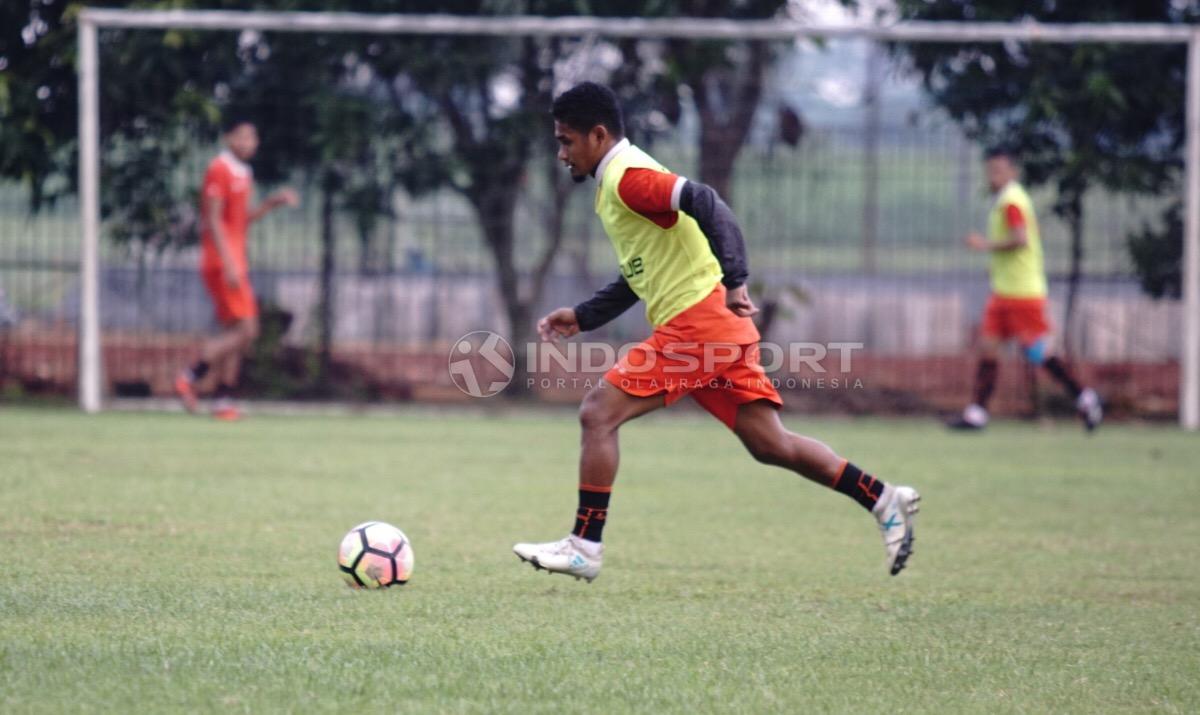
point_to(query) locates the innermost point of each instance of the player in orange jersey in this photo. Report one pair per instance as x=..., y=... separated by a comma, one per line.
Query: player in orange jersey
x=226, y=217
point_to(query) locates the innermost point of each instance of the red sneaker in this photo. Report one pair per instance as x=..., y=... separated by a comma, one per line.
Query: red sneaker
x=186, y=389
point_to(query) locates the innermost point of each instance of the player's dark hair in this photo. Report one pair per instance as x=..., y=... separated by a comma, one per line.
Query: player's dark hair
x=997, y=152
x=233, y=120
x=587, y=105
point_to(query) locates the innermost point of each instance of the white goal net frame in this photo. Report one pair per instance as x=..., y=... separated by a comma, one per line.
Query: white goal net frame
x=92, y=20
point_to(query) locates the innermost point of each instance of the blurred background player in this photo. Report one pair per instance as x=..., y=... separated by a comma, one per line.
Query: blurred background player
x=680, y=250
x=225, y=222
x=1016, y=308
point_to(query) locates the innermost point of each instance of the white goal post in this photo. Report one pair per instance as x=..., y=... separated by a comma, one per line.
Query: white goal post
x=93, y=19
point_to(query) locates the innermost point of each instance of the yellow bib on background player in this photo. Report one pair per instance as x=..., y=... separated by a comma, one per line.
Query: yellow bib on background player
x=671, y=269
x=1018, y=273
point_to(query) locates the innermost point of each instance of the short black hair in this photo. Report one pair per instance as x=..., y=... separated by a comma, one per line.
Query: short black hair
x=998, y=151
x=587, y=105
x=233, y=120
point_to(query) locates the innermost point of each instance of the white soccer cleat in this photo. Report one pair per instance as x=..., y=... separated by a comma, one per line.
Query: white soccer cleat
x=572, y=556
x=1090, y=409
x=973, y=417
x=896, y=512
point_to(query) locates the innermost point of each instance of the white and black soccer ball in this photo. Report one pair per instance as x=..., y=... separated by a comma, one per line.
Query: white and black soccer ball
x=375, y=555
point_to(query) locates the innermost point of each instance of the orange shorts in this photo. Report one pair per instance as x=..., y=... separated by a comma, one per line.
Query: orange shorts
x=230, y=304
x=1020, y=318
x=706, y=352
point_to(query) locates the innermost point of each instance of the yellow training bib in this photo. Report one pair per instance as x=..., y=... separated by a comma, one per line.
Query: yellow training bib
x=1019, y=273
x=671, y=269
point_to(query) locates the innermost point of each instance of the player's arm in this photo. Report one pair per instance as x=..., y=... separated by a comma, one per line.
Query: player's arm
x=1018, y=237
x=608, y=302
x=720, y=227
x=214, y=204
x=652, y=193
x=283, y=197
x=604, y=307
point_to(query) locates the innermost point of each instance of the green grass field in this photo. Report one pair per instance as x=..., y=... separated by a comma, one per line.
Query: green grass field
x=163, y=563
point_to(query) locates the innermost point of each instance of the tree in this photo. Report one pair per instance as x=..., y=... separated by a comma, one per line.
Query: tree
x=726, y=83
x=356, y=120
x=490, y=143
x=157, y=91
x=724, y=79
x=1078, y=116
x=1157, y=253
x=163, y=94
x=326, y=119
x=367, y=116
x=37, y=98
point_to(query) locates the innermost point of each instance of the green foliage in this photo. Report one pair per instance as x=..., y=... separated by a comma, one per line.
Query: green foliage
x=142, y=200
x=356, y=117
x=275, y=370
x=38, y=97
x=1157, y=254
x=1076, y=115
x=723, y=79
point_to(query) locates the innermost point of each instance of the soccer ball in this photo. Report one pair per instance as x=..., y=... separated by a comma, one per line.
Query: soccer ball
x=375, y=555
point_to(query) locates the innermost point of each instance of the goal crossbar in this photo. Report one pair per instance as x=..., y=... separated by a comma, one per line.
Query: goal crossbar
x=93, y=19
x=684, y=28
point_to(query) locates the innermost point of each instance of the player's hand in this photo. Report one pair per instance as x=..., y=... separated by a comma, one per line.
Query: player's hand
x=738, y=300
x=560, y=323
x=233, y=278
x=976, y=242
x=285, y=197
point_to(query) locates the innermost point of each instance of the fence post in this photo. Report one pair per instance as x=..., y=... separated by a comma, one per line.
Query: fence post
x=89, y=372
x=1189, y=385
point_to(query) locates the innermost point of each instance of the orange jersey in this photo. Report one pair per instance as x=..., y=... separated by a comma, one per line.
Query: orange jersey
x=231, y=182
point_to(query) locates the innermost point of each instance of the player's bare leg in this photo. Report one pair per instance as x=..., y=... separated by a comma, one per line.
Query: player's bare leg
x=230, y=368
x=601, y=415
x=1087, y=402
x=213, y=352
x=227, y=373
x=894, y=507
x=762, y=432
x=975, y=415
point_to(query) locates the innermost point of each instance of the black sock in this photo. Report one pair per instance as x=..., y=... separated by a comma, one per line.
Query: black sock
x=1056, y=367
x=223, y=390
x=199, y=370
x=592, y=512
x=859, y=486
x=985, y=381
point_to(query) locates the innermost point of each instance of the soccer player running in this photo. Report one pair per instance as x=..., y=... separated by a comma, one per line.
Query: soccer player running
x=226, y=216
x=1016, y=308
x=680, y=250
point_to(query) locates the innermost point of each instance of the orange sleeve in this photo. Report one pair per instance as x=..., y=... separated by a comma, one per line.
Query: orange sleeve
x=216, y=182
x=648, y=191
x=1013, y=216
